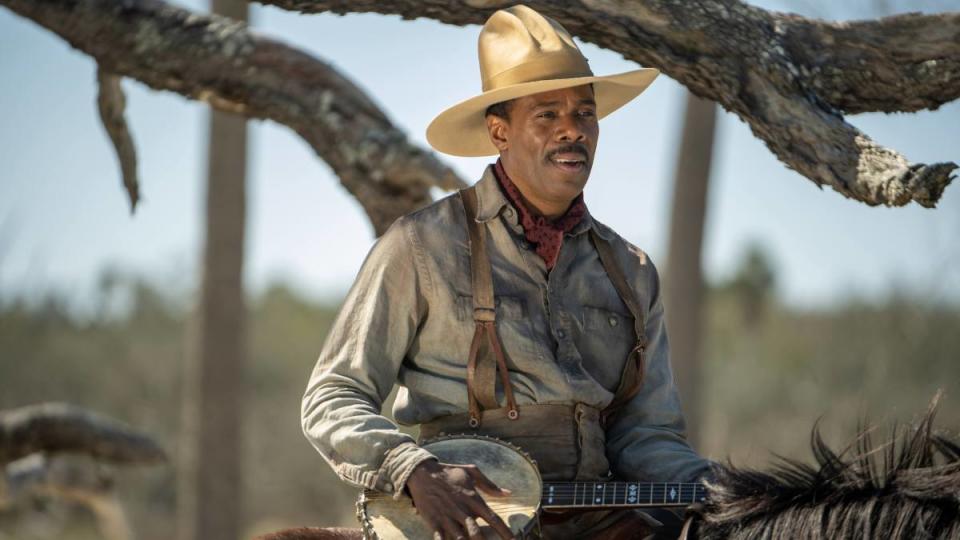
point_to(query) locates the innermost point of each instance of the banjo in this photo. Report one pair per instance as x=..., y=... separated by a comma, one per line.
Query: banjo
x=385, y=518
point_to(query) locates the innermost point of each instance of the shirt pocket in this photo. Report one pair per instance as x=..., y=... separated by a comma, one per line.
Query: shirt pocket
x=605, y=343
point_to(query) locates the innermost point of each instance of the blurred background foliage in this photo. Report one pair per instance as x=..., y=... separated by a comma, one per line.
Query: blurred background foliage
x=770, y=372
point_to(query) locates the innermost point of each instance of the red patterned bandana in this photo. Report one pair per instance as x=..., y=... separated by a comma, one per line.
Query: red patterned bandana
x=545, y=235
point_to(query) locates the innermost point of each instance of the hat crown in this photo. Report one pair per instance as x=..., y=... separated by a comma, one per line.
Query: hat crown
x=519, y=45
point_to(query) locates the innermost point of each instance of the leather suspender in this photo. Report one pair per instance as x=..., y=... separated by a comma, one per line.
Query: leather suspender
x=481, y=386
x=481, y=371
x=632, y=377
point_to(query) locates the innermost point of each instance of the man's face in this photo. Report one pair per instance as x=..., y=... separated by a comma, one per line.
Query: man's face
x=548, y=143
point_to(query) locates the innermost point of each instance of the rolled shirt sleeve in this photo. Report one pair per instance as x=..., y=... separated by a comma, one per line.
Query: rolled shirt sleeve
x=646, y=440
x=358, y=366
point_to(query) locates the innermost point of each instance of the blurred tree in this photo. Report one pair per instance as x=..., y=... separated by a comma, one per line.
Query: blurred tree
x=753, y=284
x=211, y=500
x=60, y=452
x=683, y=279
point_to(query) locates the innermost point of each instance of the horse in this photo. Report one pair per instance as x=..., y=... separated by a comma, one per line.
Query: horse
x=907, y=488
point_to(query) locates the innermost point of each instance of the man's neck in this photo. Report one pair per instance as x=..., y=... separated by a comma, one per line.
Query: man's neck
x=549, y=210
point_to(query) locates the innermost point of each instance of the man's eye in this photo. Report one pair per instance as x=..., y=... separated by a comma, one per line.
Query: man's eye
x=547, y=114
x=587, y=113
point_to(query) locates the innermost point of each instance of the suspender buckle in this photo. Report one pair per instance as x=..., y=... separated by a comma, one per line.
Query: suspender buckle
x=474, y=422
x=481, y=314
x=513, y=414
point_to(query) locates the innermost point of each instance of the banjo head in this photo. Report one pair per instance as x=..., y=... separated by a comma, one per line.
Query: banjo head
x=386, y=518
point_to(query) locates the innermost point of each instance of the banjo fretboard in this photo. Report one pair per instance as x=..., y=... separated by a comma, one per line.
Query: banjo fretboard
x=621, y=494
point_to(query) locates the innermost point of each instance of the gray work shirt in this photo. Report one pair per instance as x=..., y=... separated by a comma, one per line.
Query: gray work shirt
x=408, y=320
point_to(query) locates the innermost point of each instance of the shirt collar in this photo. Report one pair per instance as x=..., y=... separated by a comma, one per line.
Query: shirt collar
x=490, y=199
x=491, y=202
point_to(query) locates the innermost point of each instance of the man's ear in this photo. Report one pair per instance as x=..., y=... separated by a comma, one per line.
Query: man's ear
x=497, y=129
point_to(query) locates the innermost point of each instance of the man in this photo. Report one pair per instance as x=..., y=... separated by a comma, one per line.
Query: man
x=511, y=279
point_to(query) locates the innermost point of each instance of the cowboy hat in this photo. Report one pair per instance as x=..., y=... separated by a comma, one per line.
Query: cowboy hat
x=523, y=53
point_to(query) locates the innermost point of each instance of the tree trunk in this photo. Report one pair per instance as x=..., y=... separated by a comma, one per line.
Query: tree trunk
x=212, y=487
x=684, y=276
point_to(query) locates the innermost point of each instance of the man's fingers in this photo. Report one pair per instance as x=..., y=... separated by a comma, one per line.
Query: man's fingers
x=485, y=484
x=498, y=525
x=434, y=521
x=481, y=509
x=451, y=505
x=476, y=506
x=473, y=530
x=453, y=530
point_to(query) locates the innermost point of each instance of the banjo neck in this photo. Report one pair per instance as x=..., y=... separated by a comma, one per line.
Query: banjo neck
x=569, y=495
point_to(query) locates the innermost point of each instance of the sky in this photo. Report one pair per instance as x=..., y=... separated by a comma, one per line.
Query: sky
x=64, y=217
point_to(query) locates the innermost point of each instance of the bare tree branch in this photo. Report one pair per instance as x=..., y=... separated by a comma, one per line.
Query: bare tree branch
x=111, y=103
x=910, y=62
x=902, y=63
x=53, y=428
x=788, y=77
x=217, y=60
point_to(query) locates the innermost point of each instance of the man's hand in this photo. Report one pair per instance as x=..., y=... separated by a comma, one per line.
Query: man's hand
x=446, y=497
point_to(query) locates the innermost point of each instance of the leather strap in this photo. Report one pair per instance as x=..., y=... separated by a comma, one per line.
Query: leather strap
x=481, y=372
x=631, y=378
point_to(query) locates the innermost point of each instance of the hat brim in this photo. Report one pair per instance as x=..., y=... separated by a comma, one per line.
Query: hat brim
x=461, y=130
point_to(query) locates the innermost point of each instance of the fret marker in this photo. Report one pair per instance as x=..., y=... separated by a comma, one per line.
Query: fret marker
x=598, y=500
x=550, y=496
x=673, y=494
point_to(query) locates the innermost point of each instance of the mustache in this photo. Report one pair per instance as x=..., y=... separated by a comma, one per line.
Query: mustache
x=572, y=148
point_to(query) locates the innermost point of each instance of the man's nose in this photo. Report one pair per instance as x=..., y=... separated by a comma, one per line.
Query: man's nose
x=569, y=129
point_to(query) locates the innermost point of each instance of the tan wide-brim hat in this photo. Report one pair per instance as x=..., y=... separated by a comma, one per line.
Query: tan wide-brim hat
x=523, y=53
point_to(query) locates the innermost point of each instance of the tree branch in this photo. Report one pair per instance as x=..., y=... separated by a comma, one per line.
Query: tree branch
x=902, y=63
x=788, y=77
x=53, y=428
x=111, y=103
x=217, y=60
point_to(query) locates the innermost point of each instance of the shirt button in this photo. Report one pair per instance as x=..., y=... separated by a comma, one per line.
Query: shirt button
x=509, y=212
x=561, y=334
x=613, y=321
x=388, y=486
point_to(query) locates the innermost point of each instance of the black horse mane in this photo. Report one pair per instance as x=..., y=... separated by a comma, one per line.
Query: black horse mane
x=905, y=489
